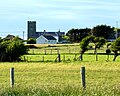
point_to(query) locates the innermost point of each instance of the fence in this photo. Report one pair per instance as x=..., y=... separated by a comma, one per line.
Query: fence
x=55, y=51
x=82, y=76
x=50, y=58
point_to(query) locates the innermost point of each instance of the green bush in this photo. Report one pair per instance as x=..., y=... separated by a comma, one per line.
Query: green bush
x=31, y=41
x=11, y=51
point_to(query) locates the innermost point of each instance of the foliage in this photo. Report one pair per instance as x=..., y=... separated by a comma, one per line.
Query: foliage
x=17, y=38
x=0, y=39
x=102, y=31
x=98, y=42
x=115, y=47
x=84, y=45
x=12, y=50
x=108, y=51
x=66, y=38
x=108, y=44
x=76, y=35
x=31, y=41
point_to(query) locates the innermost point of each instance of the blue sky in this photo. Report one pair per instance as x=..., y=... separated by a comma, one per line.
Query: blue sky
x=52, y=15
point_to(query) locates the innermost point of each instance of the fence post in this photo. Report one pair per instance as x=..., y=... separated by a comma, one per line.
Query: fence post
x=83, y=77
x=45, y=51
x=24, y=58
x=33, y=51
x=43, y=59
x=51, y=51
x=63, y=57
x=27, y=59
x=75, y=57
x=69, y=51
x=11, y=77
x=59, y=58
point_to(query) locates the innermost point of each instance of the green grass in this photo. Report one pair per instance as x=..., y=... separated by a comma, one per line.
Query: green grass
x=49, y=78
x=61, y=79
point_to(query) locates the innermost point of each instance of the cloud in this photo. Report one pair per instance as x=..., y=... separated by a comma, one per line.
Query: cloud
x=74, y=12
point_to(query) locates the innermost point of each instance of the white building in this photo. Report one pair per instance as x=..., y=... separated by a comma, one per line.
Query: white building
x=46, y=39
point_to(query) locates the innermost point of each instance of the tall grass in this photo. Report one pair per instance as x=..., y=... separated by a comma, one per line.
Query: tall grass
x=61, y=79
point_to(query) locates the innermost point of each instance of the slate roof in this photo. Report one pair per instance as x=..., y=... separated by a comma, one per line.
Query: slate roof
x=49, y=33
x=48, y=37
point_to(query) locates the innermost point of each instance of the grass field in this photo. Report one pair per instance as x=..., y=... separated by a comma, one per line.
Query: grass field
x=38, y=78
x=61, y=79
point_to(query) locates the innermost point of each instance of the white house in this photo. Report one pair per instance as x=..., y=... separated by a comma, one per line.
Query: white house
x=46, y=39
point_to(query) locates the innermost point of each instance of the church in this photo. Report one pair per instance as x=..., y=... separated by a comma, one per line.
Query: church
x=32, y=33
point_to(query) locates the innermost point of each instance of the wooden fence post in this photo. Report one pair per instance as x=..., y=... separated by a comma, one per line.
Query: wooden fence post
x=83, y=77
x=63, y=57
x=69, y=51
x=43, y=59
x=51, y=51
x=11, y=77
x=24, y=58
x=75, y=57
x=33, y=52
x=59, y=58
x=27, y=59
x=45, y=51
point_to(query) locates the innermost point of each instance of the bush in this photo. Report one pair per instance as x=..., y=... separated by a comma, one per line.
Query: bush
x=11, y=51
x=31, y=41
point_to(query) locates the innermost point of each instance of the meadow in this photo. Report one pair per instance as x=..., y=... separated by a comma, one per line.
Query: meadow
x=49, y=78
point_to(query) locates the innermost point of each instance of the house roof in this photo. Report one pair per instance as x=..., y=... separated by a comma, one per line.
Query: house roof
x=9, y=37
x=49, y=37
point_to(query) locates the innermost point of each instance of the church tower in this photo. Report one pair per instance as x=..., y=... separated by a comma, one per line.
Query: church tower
x=31, y=29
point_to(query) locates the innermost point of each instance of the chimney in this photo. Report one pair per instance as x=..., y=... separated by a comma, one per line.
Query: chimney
x=44, y=32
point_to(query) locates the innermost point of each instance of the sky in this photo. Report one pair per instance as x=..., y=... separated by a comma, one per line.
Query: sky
x=52, y=15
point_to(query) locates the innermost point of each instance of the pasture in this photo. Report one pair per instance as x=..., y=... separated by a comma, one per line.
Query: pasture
x=49, y=78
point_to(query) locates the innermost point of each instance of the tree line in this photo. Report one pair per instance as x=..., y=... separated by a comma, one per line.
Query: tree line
x=105, y=31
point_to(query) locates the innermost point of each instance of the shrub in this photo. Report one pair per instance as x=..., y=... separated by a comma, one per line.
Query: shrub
x=31, y=41
x=11, y=51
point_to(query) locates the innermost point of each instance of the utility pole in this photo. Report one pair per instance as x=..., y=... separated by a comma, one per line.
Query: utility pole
x=116, y=29
x=23, y=35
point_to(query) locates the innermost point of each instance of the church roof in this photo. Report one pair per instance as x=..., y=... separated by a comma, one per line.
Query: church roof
x=50, y=33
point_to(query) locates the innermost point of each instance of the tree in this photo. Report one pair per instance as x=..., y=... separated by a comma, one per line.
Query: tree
x=12, y=50
x=0, y=39
x=72, y=34
x=76, y=35
x=102, y=31
x=31, y=41
x=98, y=43
x=108, y=51
x=84, y=33
x=84, y=46
x=115, y=47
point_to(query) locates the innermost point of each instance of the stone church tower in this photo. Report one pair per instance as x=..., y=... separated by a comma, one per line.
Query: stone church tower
x=31, y=29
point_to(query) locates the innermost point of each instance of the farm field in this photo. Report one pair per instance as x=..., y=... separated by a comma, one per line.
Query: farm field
x=61, y=79
x=49, y=78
